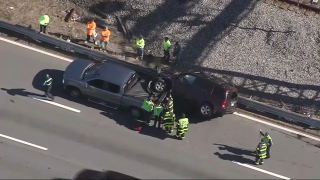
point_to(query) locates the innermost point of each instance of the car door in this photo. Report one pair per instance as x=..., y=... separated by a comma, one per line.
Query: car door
x=182, y=83
x=92, y=87
x=111, y=94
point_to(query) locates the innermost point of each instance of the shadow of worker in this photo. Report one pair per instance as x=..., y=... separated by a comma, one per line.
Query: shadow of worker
x=235, y=150
x=21, y=92
x=232, y=157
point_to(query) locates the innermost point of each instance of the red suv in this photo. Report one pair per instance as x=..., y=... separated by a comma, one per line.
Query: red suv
x=207, y=94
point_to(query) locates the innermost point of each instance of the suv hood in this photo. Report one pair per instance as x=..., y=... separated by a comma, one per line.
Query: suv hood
x=76, y=68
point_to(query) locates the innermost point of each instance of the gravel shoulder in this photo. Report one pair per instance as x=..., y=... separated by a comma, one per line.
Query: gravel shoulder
x=270, y=54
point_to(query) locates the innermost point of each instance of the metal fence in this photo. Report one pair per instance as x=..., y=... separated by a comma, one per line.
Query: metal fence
x=288, y=115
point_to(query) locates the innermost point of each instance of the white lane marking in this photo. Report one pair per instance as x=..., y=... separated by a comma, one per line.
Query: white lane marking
x=56, y=104
x=37, y=50
x=277, y=126
x=23, y=142
x=261, y=170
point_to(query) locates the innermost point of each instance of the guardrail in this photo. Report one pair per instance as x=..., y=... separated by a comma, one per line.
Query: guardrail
x=100, y=56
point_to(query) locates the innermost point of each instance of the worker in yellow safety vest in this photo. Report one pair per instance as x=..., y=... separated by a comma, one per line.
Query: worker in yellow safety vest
x=44, y=22
x=182, y=126
x=147, y=106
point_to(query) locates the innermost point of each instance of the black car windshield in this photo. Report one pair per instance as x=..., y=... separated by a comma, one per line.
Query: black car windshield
x=91, y=71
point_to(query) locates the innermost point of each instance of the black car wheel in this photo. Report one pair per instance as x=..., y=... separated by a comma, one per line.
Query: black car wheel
x=74, y=92
x=159, y=85
x=206, y=110
x=135, y=112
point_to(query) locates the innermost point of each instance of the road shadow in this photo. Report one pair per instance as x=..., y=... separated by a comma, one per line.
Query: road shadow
x=21, y=92
x=125, y=119
x=231, y=157
x=235, y=150
x=60, y=179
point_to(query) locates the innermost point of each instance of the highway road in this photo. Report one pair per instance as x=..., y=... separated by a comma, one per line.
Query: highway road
x=90, y=136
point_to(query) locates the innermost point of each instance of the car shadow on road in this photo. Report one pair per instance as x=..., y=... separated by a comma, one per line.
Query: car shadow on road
x=128, y=121
x=235, y=150
x=232, y=157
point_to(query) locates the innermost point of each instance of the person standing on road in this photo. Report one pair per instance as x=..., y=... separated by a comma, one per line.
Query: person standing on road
x=105, y=37
x=148, y=107
x=169, y=105
x=44, y=22
x=157, y=115
x=91, y=31
x=182, y=126
x=140, y=43
x=166, y=49
x=167, y=120
x=268, y=140
x=261, y=152
x=177, y=52
x=48, y=84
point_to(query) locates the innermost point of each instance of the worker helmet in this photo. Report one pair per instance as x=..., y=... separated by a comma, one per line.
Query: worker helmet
x=183, y=115
x=266, y=134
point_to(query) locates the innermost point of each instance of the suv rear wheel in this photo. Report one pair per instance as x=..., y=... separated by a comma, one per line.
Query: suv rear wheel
x=206, y=110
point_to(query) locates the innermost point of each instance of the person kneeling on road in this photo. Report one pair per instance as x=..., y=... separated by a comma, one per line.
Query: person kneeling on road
x=261, y=152
x=182, y=126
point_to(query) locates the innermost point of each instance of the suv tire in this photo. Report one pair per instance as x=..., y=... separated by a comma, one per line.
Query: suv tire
x=206, y=110
x=136, y=112
x=159, y=85
x=74, y=92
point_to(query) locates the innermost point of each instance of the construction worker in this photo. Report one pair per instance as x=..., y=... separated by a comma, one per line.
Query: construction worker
x=148, y=107
x=169, y=104
x=166, y=49
x=182, y=126
x=44, y=22
x=268, y=140
x=105, y=37
x=48, y=84
x=91, y=31
x=177, y=52
x=157, y=111
x=140, y=47
x=167, y=120
x=261, y=152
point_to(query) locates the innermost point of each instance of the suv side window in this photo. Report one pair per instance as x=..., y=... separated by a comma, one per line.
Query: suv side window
x=220, y=92
x=189, y=78
x=203, y=84
x=111, y=87
x=97, y=83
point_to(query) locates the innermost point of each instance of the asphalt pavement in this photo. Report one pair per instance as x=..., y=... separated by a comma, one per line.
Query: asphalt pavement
x=100, y=138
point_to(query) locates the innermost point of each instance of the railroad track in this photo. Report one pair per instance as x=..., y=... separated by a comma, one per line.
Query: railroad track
x=307, y=7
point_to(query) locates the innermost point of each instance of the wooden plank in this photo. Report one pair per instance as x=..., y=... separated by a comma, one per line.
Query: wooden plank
x=284, y=5
x=269, y=1
x=277, y=3
x=293, y=7
x=122, y=26
x=309, y=13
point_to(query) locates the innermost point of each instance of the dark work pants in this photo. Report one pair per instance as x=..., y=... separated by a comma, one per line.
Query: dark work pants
x=43, y=28
x=268, y=151
x=88, y=38
x=166, y=55
x=147, y=116
x=180, y=133
x=157, y=119
x=259, y=160
x=48, y=92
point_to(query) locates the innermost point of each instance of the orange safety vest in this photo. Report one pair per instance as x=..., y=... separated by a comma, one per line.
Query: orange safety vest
x=91, y=27
x=105, y=35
